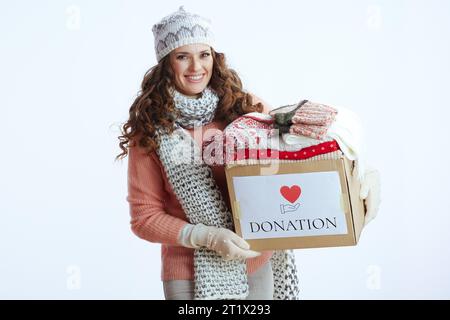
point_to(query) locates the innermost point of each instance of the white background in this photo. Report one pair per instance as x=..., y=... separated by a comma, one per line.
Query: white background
x=69, y=71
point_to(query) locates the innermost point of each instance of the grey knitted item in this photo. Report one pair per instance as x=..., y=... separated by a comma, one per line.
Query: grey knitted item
x=195, y=112
x=285, y=280
x=181, y=28
x=193, y=183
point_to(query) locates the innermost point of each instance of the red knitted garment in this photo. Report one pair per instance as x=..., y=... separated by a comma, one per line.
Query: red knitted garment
x=248, y=137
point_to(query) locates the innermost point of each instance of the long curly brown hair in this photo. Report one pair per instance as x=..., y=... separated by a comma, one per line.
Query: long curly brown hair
x=154, y=105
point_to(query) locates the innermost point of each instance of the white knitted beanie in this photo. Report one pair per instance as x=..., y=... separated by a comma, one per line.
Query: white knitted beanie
x=181, y=28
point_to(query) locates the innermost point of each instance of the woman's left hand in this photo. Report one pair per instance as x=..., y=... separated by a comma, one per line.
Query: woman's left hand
x=370, y=193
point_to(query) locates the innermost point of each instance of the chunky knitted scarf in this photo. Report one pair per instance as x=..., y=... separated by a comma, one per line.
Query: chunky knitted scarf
x=195, y=187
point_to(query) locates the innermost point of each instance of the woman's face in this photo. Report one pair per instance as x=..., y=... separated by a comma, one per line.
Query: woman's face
x=192, y=66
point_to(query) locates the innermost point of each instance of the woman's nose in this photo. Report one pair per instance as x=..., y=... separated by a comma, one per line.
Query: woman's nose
x=195, y=65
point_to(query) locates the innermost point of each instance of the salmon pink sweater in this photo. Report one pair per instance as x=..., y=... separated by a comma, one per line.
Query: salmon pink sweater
x=157, y=215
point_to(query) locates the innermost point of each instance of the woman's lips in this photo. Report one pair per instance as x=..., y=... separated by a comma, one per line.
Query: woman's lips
x=195, y=79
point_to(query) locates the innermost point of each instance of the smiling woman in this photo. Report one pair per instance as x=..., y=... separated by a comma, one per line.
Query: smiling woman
x=175, y=201
x=192, y=66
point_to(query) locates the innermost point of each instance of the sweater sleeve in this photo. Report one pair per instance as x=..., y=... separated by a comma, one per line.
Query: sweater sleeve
x=149, y=220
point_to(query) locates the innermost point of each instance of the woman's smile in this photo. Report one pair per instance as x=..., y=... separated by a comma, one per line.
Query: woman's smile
x=195, y=78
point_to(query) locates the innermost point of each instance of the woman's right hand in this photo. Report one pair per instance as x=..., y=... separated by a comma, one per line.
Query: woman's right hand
x=223, y=241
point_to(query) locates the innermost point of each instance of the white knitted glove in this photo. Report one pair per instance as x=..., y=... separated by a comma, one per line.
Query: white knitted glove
x=370, y=193
x=224, y=241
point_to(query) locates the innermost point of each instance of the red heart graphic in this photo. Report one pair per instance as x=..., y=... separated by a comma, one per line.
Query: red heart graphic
x=291, y=194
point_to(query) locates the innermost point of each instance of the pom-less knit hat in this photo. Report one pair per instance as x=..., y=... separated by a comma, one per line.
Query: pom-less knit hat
x=181, y=28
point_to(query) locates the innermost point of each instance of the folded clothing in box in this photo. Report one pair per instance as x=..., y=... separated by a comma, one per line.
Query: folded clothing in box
x=252, y=139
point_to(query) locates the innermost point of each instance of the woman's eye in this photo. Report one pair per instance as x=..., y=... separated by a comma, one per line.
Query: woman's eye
x=203, y=55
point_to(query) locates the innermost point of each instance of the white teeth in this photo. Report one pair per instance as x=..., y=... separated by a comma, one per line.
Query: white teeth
x=195, y=77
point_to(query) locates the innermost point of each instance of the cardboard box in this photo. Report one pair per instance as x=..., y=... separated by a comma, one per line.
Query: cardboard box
x=298, y=205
